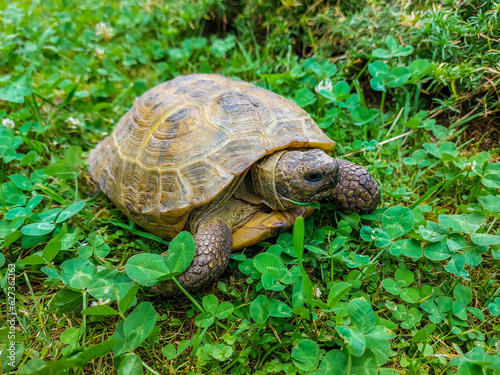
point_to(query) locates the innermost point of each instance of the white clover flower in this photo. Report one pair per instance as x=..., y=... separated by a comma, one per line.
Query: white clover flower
x=470, y=166
x=325, y=84
x=100, y=302
x=72, y=121
x=317, y=292
x=8, y=123
x=99, y=51
x=104, y=30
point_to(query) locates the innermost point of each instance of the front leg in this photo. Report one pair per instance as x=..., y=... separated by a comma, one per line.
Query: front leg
x=357, y=190
x=213, y=240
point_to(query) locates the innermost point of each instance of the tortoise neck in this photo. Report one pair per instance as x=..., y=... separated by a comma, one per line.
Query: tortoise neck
x=263, y=182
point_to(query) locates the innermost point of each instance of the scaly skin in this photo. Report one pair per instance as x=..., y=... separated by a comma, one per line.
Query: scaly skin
x=213, y=241
x=357, y=190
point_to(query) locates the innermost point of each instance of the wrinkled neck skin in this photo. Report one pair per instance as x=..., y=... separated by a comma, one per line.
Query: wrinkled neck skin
x=264, y=184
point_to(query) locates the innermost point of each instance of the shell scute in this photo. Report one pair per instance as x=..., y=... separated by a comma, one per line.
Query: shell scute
x=141, y=193
x=174, y=192
x=204, y=178
x=233, y=158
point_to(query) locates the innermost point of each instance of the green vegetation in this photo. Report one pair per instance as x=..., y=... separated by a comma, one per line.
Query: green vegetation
x=407, y=89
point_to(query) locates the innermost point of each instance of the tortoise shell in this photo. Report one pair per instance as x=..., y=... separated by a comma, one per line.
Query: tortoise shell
x=184, y=141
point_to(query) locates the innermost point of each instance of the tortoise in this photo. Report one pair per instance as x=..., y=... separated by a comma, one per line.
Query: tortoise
x=226, y=160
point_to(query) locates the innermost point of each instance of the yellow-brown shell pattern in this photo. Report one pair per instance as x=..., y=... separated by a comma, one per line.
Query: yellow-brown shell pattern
x=185, y=140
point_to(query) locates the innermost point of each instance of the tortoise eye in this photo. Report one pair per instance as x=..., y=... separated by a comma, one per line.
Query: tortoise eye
x=313, y=177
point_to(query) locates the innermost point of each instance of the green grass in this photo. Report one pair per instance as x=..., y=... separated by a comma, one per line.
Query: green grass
x=410, y=289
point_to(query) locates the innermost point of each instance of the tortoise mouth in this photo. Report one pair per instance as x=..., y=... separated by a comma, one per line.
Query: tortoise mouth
x=318, y=195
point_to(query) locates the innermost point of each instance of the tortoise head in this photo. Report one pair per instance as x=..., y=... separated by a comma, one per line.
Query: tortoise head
x=303, y=176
